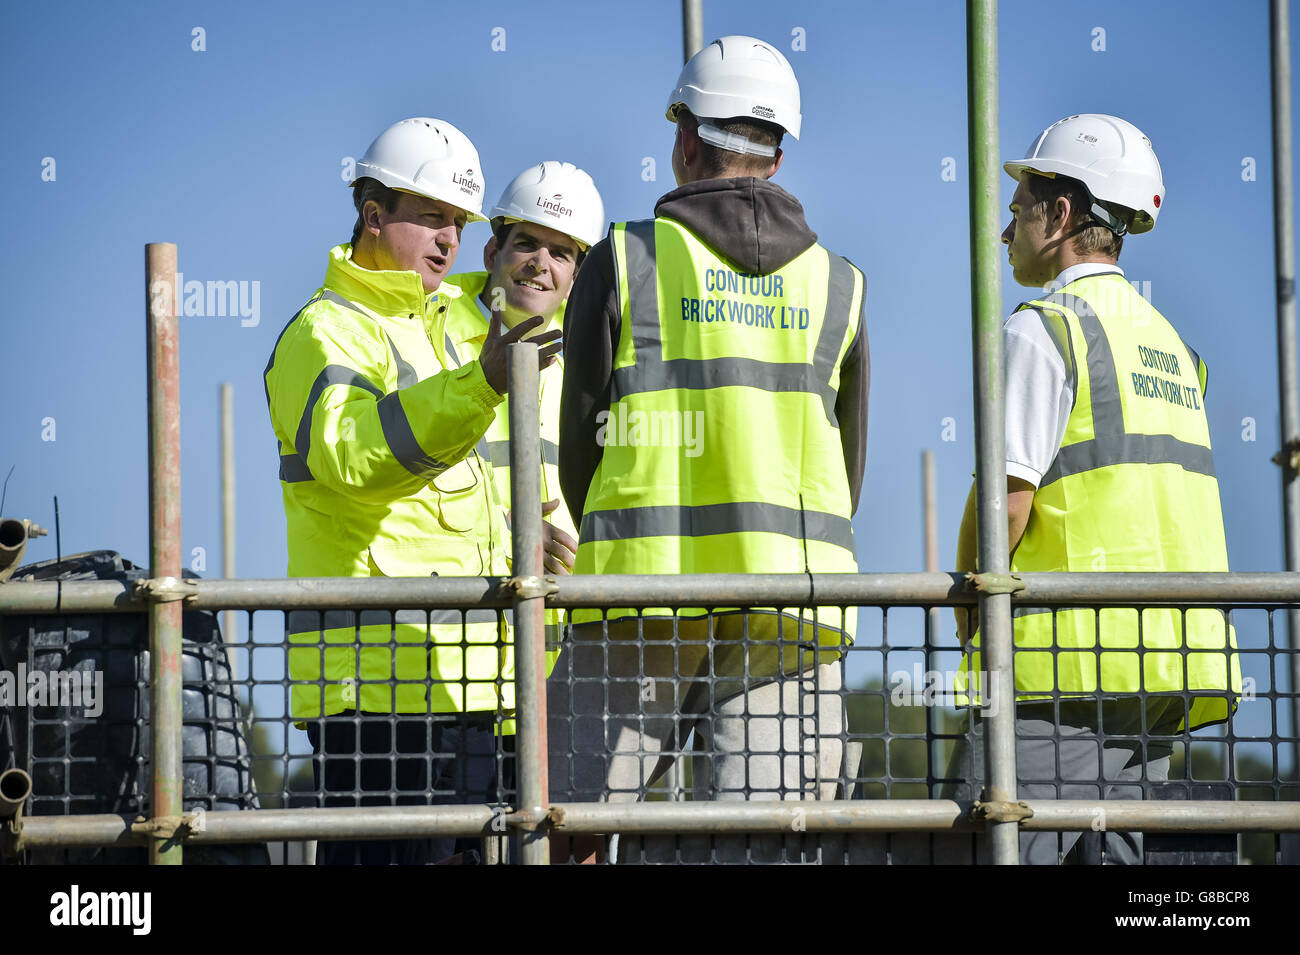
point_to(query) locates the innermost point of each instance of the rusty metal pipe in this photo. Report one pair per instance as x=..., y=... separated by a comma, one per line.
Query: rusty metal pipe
x=164, y=412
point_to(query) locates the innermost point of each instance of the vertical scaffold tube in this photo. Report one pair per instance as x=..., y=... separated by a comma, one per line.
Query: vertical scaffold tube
x=990, y=437
x=530, y=649
x=1284, y=256
x=166, y=794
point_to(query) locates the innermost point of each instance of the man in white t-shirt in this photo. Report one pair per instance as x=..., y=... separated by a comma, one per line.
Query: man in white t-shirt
x=1109, y=467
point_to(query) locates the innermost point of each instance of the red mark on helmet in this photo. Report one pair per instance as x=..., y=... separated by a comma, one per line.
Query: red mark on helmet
x=1156, y=200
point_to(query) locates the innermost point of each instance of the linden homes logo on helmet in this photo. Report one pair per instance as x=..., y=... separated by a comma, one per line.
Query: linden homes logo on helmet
x=553, y=205
x=764, y=112
x=468, y=184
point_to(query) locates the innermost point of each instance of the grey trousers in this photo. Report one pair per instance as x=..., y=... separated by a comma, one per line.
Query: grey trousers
x=621, y=710
x=1079, y=757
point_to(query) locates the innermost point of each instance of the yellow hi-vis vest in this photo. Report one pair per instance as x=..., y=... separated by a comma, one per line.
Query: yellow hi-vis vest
x=1132, y=488
x=384, y=475
x=467, y=328
x=722, y=451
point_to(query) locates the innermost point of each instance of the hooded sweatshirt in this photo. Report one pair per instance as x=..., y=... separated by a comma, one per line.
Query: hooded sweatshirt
x=757, y=227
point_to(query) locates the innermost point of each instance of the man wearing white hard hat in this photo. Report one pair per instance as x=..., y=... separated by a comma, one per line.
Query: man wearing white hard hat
x=384, y=474
x=714, y=421
x=542, y=226
x=1109, y=468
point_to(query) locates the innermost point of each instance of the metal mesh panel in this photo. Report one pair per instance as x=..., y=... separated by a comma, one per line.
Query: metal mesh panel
x=706, y=709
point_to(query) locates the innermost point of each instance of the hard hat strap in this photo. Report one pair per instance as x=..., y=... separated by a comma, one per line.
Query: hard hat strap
x=1107, y=218
x=732, y=141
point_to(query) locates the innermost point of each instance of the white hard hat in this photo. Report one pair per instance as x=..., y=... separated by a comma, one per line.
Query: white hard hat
x=739, y=76
x=557, y=195
x=1110, y=156
x=428, y=157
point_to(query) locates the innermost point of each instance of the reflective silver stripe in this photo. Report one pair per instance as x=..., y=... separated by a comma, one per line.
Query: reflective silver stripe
x=481, y=449
x=292, y=469
x=401, y=439
x=707, y=519
x=1129, y=449
x=311, y=621
x=405, y=373
x=1029, y=611
x=1112, y=444
x=499, y=453
x=652, y=372
x=331, y=375
x=338, y=299
x=322, y=294
x=451, y=351
x=1103, y=382
x=835, y=325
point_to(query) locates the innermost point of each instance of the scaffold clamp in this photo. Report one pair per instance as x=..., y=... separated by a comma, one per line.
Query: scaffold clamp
x=163, y=589
x=1000, y=811
x=170, y=827
x=1289, y=457
x=994, y=583
x=527, y=587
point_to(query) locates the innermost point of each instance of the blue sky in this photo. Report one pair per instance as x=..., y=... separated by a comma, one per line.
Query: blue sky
x=235, y=153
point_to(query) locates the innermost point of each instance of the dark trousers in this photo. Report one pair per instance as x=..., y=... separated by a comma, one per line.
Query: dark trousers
x=381, y=759
x=1115, y=752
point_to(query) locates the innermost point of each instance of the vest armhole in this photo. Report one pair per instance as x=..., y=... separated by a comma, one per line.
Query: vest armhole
x=1202, y=370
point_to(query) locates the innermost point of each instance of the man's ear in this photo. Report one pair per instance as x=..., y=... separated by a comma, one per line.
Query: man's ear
x=776, y=163
x=490, y=253
x=372, y=216
x=690, y=145
x=1062, y=214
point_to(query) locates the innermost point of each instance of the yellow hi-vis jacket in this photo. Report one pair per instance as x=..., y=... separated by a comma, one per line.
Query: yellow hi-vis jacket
x=467, y=328
x=384, y=475
x=721, y=449
x=1132, y=488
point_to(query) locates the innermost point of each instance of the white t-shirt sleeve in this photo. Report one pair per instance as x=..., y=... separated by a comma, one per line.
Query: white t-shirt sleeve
x=1040, y=396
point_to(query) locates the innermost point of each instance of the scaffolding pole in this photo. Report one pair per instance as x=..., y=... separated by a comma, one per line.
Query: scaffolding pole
x=692, y=28
x=530, y=601
x=164, y=590
x=228, y=514
x=1284, y=256
x=990, y=437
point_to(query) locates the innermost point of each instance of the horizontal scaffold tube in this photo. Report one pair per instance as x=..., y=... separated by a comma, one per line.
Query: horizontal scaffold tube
x=660, y=590
x=890, y=815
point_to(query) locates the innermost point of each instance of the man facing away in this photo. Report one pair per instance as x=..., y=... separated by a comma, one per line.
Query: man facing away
x=714, y=420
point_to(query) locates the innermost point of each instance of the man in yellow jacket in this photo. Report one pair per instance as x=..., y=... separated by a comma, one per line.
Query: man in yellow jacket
x=542, y=226
x=384, y=474
x=1109, y=468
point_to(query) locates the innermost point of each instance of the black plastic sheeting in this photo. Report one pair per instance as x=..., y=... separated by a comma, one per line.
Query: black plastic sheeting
x=83, y=764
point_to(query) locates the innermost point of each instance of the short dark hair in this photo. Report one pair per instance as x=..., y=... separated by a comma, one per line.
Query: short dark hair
x=364, y=190
x=717, y=162
x=501, y=232
x=1088, y=235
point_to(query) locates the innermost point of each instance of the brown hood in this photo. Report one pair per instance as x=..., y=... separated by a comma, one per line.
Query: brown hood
x=755, y=225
